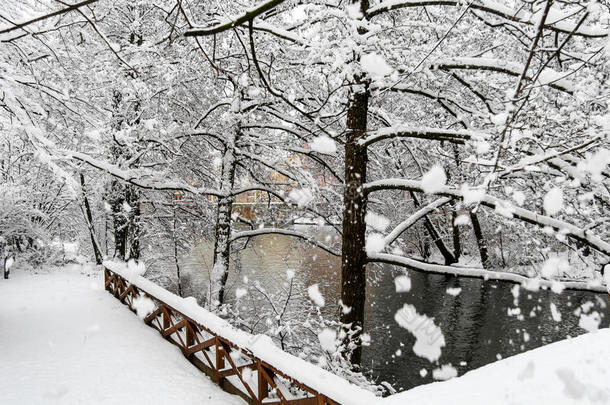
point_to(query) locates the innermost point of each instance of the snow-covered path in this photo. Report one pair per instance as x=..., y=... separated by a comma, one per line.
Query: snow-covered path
x=64, y=340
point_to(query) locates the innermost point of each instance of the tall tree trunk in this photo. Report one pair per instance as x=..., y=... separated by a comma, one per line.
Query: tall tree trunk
x=476, y=226
x=353, y=242
x=436, y=238
x=106, y=235
x=119, y=221
x=455, y=230
x=89, y=218
x=222, y=246
x=7, y=264
x=176, y=261
x=124, y=198
x=135, y=227
x=353, y=253
x=125, y=203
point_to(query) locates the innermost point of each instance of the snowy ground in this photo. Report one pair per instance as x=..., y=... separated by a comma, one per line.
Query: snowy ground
x=63, y=340
x=570, y=372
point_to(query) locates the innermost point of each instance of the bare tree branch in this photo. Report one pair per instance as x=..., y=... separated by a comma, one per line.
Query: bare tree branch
x=249, y=15
x=44, y=17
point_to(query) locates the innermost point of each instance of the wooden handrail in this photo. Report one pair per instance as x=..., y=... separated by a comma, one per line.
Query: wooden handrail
x=235, y=369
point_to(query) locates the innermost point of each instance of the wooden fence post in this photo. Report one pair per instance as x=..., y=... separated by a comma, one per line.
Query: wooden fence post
x=220, y=360
x=263, y=388
x=166, y=316
x=189, y=332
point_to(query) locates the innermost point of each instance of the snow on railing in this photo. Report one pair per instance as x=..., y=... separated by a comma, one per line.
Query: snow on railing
x=241, y=363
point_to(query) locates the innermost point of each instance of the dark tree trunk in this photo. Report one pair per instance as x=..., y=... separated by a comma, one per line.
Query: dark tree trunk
x=6, y=265
x=457, y=245
x=436, y=238
x=106, y=235
x=119, y=222
x=126, y=222
x=89, y=217
x=222, y=247
x=353, y=254
x=176, y=261
x=134, y=231
x=476, y=226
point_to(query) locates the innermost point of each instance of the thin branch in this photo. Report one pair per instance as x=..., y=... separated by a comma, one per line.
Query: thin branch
x=288, y=232
x=44, y=17
x=409, y=222
x=239, y=20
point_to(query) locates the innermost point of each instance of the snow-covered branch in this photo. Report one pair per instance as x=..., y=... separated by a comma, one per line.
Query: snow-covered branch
x=279, y=32
x=135, y=177
x=548, y=76
x=264, y=162
x=49, y=15
x=435, y=134
x=527, y=282
x=409, y=222
x=442, y=99
x=551, y=157
x=282, y=197
x=315, y=156
x=246, y=16
x=288, y=232
x=558, y=23
x=502, y=206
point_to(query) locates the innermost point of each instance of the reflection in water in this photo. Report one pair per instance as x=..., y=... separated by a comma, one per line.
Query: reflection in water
x=476, y=323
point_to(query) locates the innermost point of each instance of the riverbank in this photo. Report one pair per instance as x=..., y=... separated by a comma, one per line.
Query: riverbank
x=573, y=371
x=482, y=321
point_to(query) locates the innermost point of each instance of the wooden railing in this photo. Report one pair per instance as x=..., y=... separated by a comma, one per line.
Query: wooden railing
x=236, y=369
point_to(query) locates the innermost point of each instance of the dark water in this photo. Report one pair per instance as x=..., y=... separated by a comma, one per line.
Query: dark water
x=476, y=325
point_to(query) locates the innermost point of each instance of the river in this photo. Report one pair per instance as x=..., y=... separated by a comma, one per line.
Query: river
x=476, y=324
